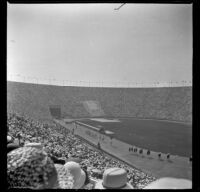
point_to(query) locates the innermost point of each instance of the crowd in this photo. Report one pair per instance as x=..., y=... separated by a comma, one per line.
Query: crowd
x=62, y=146
x=120, y=102
x=65, y=149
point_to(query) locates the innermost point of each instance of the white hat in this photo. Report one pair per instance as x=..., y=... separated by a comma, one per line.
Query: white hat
x=78, y=174
x=37, y=145
x=114, y=178
x=9, y=138
x=170, y=183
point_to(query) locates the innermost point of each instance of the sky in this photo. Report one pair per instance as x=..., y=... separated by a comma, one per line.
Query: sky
x=81, y=43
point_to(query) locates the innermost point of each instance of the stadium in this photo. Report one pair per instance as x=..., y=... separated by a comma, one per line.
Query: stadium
x=147, y=128
x=141, y=131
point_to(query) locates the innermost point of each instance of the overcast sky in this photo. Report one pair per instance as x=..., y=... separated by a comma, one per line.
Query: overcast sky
x=93, y=42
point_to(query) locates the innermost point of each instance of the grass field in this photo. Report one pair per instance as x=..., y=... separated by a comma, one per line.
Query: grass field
x=160, y=136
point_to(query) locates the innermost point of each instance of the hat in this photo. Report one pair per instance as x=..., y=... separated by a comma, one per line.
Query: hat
x=30, y=167
x=12, y=146
x=9, y=139
x=170, y=183
x=114, y=178
x=37, y=145
x=78, y=174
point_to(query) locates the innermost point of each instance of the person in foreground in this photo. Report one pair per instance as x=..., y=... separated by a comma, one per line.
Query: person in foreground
x=30, y=167
x=114, y=178
x=170, y=183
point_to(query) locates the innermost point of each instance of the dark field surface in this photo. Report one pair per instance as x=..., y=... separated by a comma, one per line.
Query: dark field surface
x=160, y=136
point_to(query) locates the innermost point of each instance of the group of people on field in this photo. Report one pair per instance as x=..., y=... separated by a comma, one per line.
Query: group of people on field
x=148, y=152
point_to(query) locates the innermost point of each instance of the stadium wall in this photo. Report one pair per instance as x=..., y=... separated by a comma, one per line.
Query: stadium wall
x=172, y=103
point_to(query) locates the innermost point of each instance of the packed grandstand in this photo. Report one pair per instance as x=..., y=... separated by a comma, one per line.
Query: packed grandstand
x=34, y=100
x=30, y=124
x=61, y=144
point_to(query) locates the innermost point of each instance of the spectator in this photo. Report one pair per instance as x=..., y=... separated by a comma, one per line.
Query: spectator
x=21, y=143
x=19, y=136
x=114, y=178
x=12, y=146
x=9, y=139
x=77, y=173
x=148, y=152
x=87, y=180
x=30, y=167
x=36, y=145
x=141, y=151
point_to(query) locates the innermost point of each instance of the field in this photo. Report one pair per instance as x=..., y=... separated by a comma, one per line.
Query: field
x=159, y=136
